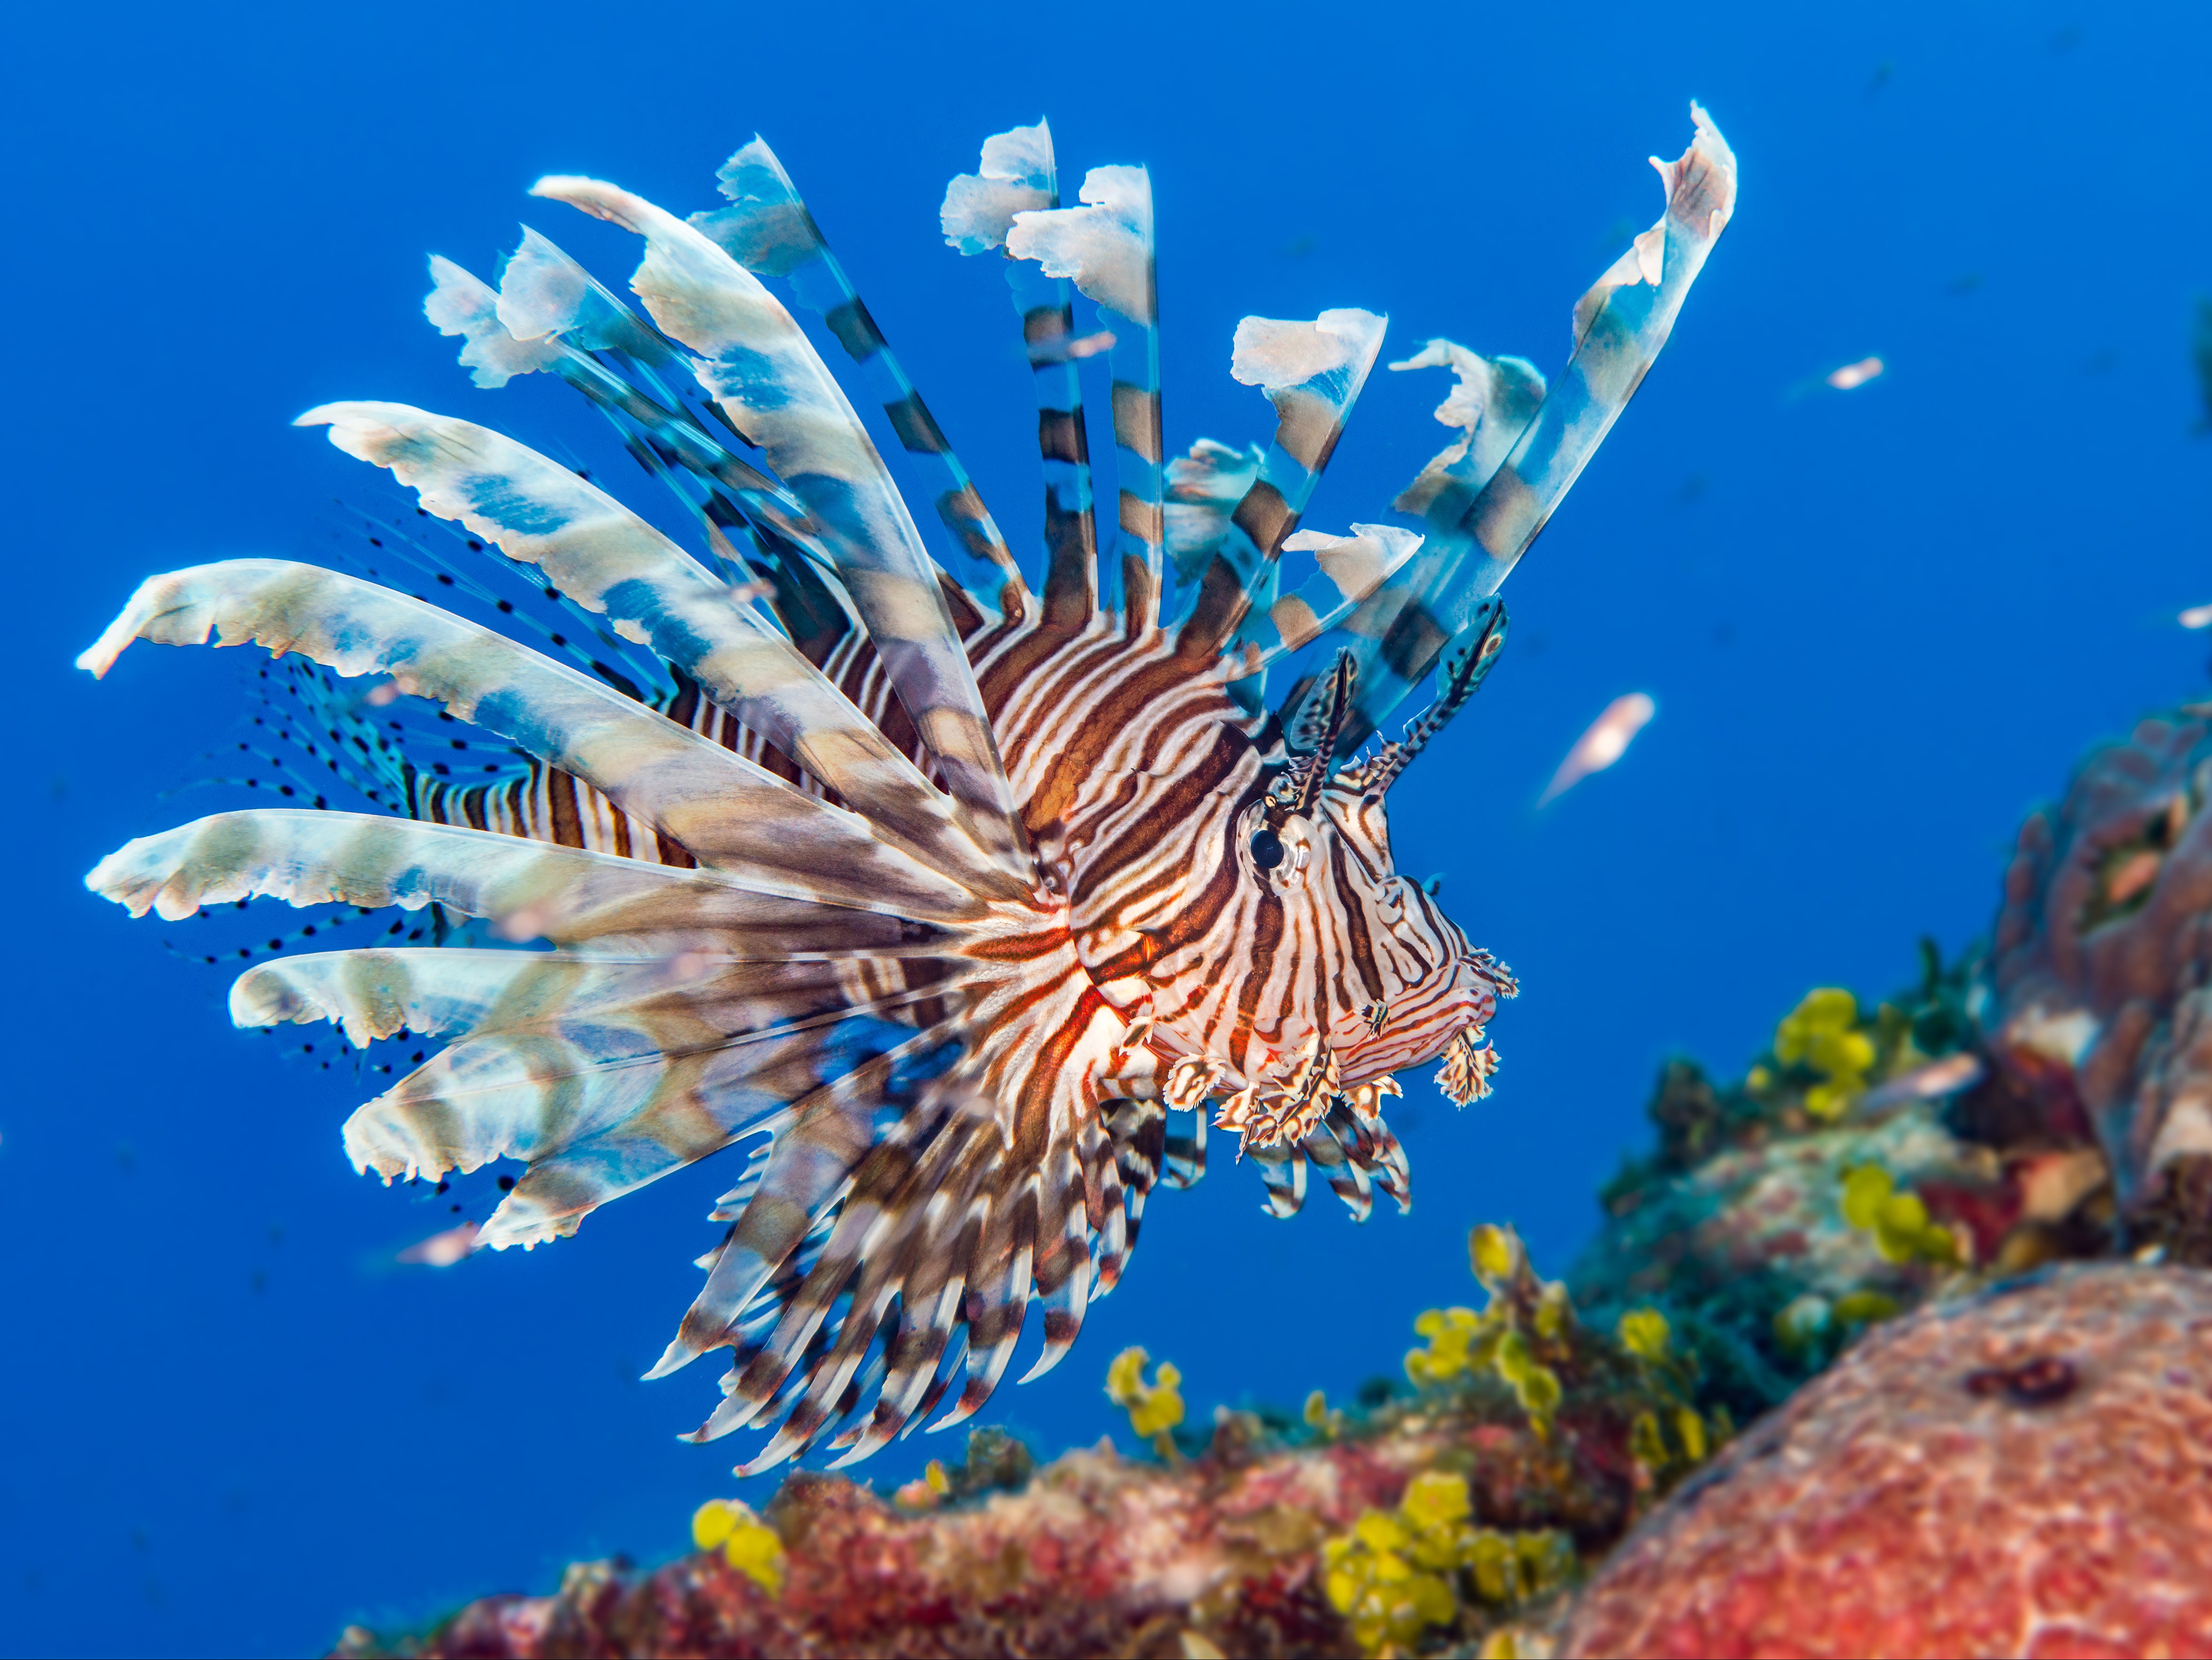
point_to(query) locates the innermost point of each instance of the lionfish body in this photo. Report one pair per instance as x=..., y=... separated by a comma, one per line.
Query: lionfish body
x=948, y=903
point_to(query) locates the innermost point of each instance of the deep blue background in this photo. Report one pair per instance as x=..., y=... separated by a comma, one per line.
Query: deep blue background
x=1878, y=627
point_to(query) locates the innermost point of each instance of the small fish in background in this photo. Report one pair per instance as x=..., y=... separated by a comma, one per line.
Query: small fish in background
x=1965, y=283
x=1605, y=742
x=1883, y=72
x=2200, y=353
x=1852, y=376
x=2196, y=616
x=442, y=1250
x=1926, y=1083
x=1848, y=379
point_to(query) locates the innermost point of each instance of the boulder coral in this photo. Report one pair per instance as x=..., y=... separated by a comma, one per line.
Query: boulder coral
x=2024, y=1471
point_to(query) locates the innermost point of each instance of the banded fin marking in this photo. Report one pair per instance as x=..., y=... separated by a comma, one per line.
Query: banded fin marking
x=1105, y=247
x=1017, y=174
x=769, y=230
x=776, y=391
x=1478, y=532
x=1313, y=373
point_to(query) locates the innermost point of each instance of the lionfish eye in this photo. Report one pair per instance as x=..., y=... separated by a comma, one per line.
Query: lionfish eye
x=1267, y=848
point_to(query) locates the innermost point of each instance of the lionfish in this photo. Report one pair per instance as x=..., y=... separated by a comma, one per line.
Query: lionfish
x=947, y=898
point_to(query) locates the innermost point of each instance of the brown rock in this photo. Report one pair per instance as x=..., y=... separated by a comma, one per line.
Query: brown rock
x=2027, y=1471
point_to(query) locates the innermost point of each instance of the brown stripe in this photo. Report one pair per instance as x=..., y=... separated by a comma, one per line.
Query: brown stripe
x=1140, y=593
x=1178, y=802
x=1060, y=437
x=1360, y=946
x=1070, y=577
x=1221, y=606
x=966, y=619
x=568, y=819
x=1137, y=421
x=1046, y=324
x=673, y=853
x=1189, y=925
x=1506, y=515
x=965, y=515
x=1006, y=671
x=1265, y=517
x=1267, y=935
x=1141, y=518
x=916, y=427
x=1410, y=647
x=1141, y=691
x=855, y=329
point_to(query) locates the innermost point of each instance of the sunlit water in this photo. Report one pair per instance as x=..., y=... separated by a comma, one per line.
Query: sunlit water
x=1877, y=624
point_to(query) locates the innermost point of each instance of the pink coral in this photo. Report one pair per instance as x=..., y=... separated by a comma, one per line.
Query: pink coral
x=2025, y=1472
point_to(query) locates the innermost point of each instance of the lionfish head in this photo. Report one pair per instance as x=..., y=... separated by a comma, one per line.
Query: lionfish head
x=1398, y=982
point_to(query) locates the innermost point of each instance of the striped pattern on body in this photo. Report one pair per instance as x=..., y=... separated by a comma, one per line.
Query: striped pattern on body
x=946, y=910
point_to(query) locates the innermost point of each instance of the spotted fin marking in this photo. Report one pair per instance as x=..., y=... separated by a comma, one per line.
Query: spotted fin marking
x=609, y=560
x=769, y=230
x=775, y=389
x=1477, y=531
x=1017, y=175
x=729, y=812
x=555, y=304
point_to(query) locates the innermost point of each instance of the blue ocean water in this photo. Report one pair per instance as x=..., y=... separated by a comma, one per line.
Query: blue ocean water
x=1878, y=626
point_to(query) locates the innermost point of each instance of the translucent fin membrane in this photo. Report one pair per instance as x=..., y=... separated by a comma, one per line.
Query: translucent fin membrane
x=1105, y=247
x=772, y=387
x=1017, y=175
x=1480, y=524
x=768, y=229
x=1313, y=373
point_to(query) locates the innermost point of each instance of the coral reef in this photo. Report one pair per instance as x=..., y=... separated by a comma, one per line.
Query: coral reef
x=2025, y=1471
x=1453, y=1512
x=1879, y=1243
x=1852, y=1171
x=2098, y=995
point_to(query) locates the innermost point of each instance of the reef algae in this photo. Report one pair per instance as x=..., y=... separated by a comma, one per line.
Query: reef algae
x=2025, y=1471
